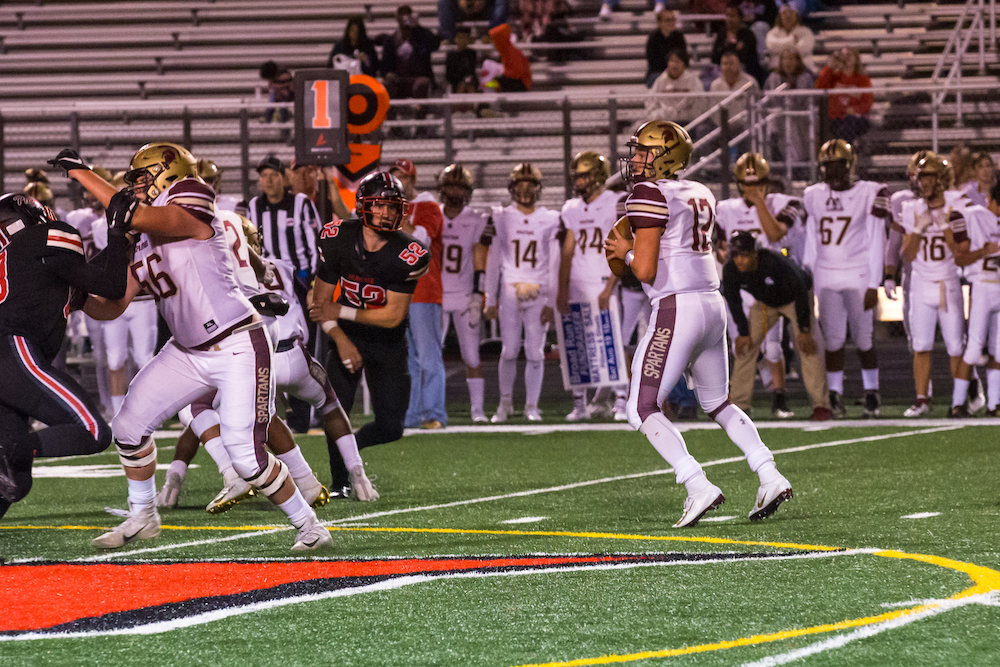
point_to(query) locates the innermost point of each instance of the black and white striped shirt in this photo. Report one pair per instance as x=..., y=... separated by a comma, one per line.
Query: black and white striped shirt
x=288, y=228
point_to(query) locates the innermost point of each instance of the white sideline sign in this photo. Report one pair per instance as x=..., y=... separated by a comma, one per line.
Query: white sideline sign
x=591, y=353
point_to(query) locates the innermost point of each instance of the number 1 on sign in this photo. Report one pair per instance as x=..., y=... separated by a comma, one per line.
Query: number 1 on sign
x=321, y=105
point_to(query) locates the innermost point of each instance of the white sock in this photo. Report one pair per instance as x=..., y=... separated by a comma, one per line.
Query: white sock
x=218, y=452
x=667, y=440
x=533, y=372
x=869, y=378
x=347, y=445
x=116, y=403
x=959, y=391
x=179, y=467
x=741, y=430
x=476, y=386
x=993, y=386
x=142, y=493
x=298, y=468
x=836, y=381
x=507, y=371
x=697, y=484
x=297, y=510
x=621, y=392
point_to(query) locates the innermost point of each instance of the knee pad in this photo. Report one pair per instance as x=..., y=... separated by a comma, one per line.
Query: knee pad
x=259, y=479
x=131, y=456
x=185, y=416
x=203, y=421
x=772, y=351
x=509, y=355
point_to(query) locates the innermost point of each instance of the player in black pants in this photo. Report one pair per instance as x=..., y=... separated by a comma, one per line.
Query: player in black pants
x=361, y=297
x=41, y=266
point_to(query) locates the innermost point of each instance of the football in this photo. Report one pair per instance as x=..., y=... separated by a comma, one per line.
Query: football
x=617, y=265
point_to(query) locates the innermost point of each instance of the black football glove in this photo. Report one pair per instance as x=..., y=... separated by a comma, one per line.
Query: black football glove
x=269, y=304
x=120, y=210
x=68, y=159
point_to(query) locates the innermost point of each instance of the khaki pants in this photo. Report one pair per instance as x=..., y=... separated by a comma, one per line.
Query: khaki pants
x=761, y=320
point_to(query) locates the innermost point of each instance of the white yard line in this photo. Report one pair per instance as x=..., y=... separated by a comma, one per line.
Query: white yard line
x=564, y=487
x=871, y=630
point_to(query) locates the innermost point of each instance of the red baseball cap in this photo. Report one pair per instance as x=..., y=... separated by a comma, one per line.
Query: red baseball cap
x=404, y=166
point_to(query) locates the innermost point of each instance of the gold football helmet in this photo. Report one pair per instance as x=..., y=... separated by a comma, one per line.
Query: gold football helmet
x=669, y=146
x=595, y=167
x=525, y=173
x=163, y=163
x=254, y=239
x=459, y=176
x=836, y=161
x=40, y=191
x=939, y=167
x=209, y=172
x=751, y=168
x=911, y=169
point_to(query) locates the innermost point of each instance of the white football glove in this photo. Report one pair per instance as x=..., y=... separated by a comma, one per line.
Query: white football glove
x=890, y=289
x=270, y=277
x=921, y=222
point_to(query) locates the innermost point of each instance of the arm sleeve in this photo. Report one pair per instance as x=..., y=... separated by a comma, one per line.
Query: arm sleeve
x=195, y=197
x=107, y=277
x=647, y=207
x=731, y=292
x=959, y=228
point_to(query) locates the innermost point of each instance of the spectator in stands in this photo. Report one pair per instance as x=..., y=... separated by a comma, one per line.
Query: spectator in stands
x=735, y=35
x=357, y=45
x=732, y=79
x=460, y=65
x=677, y=78
x=961, y=163
x=451, y=12
x=985, y=175
x=792, y=72
x=280, y=88
x=516, y=75
x=789, y=33
x=846, y=112
x=406, y=58
x=760, y=15
x=661, y=42
x=536, y=15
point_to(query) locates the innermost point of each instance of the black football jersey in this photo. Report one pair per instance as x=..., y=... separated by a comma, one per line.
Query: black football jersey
x=364, y=278
x=38, y=268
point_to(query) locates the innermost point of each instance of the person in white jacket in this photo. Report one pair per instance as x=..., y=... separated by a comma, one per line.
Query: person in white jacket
x=677, y=78
x=788, y=32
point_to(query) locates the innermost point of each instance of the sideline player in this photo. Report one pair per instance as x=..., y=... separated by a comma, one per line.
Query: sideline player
x=463, y=275
x=768, y=217
x=525, y=251
x=376, y=267
x=845, y=241
x=672, y=222
x=218, y=339
x=583, y=269
x=41, y=264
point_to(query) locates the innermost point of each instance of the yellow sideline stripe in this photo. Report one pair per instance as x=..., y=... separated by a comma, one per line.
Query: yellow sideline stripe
x=986, y=580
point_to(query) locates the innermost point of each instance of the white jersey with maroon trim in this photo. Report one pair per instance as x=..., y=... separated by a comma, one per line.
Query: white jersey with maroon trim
x=523, y=251
x=590, y=224
x=934, y=260
x=459, y=235
x=737, y=215
x=236, y=239
x=981, y=227
x=845, y=231
x=686, y=212
x=193, y=282
x=282, y=281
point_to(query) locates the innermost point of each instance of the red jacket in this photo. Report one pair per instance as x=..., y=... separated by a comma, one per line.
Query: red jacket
x=862, y=104
x=515, y=64
x=427, y=214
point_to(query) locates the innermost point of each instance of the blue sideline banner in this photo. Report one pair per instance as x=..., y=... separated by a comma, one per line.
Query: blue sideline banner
x=591, y=353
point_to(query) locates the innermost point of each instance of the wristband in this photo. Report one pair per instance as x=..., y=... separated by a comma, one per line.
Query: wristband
x=348, y=313
x=479, y=281
x=328, y=326
x=629, y=256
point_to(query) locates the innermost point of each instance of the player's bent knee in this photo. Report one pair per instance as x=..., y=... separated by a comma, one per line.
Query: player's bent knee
x=509, y=353
x=137, y=456
x=204, y=420
x=267, y=479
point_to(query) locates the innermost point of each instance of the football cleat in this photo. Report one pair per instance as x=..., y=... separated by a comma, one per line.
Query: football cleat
x=994, y=412
x=340, y=493
x=697, y=506
x=504, y=411
x=821, y=414
x=171, y=491
x=779, y=406
x=976, y=397
x=769, y=496
x=918, y=409
x=873, y=405
x=229, y=496
x=479, y=417
x=314, y=492
x=837, y=408
x=361, y=486
x=8, y=484
x=959, y=412
x=579, y=412
x=620, y=410
x=532, y=413
x=431, y=425
x=313, y=535
x=141, y=524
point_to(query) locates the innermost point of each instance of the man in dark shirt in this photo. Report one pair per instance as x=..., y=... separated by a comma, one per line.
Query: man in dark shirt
x=780, y=288
x=661, y=42
x=42, y=268
x=375, y=268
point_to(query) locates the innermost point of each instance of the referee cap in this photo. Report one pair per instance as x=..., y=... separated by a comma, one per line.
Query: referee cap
x=742, y=243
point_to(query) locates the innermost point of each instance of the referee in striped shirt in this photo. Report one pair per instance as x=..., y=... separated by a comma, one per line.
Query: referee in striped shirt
x=288, y=223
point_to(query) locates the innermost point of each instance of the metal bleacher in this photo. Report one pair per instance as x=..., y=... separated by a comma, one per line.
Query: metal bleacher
x=129, y=68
